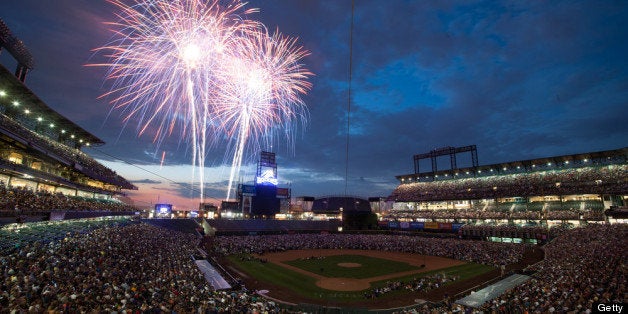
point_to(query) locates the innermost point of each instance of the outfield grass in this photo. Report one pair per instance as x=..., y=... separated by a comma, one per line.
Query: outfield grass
x=278, y=275
x=371, y=266
x=465, y=271
x=306, y=286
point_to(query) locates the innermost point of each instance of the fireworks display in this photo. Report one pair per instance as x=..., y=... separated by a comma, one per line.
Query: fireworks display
x=204, y=68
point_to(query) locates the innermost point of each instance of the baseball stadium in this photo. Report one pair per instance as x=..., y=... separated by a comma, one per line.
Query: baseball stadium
x=524, y=236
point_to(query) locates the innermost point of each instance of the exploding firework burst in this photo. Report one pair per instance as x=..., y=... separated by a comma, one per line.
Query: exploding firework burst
x=201, y=65
x=261, y=92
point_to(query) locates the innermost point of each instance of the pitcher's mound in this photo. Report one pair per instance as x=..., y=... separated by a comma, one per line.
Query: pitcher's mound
x=351, y=265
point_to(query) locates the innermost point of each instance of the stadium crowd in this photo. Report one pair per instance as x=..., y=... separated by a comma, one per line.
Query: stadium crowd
x=141, y=268
x=132, y=269
x=583, y=266
x=606, y=179
x=488, y=253
x=510, y=231
x=424, y=283
x=16, y=201
x=72, y=156
x=466, y=214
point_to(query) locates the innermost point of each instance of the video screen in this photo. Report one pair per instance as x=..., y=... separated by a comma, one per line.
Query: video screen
x=163, y=209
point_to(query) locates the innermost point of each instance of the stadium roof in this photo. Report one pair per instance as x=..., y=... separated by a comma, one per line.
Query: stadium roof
x=15, y=46
x=16, y=91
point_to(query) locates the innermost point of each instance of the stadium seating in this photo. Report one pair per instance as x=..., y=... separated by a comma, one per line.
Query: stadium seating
x=71, y=157
x=245, y=226
x=593, y=179
x=23, y=201
x=179, y=225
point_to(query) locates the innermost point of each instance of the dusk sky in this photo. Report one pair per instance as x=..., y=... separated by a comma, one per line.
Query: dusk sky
x=519, y=79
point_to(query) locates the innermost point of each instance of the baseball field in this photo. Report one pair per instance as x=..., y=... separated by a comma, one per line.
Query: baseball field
x=356, y=278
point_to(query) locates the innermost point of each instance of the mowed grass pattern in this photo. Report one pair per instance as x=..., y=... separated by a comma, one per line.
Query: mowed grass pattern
x=268, y=272
x=370, y=266
x=306, y=286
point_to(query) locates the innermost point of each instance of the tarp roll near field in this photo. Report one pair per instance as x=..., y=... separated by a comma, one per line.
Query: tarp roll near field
x=476, y=299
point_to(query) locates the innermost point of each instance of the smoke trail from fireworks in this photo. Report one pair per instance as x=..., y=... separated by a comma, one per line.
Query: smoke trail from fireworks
x=199, y=66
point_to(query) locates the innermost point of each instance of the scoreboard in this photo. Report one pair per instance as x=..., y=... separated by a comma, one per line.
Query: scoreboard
x=163, y=210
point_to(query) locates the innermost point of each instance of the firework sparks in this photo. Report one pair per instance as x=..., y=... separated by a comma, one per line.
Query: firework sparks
x=201, y=66
x=163, y=157
x=261, y=92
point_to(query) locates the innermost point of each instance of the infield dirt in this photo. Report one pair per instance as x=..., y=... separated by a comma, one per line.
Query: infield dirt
x=351, y=284
x=531, y=256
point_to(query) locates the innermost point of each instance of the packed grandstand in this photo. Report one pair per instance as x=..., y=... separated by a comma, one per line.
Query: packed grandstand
x=42, y=166
x=570, y=187
x=68, y=244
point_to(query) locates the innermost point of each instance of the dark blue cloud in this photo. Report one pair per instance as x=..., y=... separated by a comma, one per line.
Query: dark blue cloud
x=519, y=79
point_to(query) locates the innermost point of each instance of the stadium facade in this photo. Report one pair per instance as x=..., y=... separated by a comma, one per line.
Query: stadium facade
x=40, y=149
x=568, y=187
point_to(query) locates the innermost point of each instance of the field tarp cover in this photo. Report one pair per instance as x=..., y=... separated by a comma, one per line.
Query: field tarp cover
x=476, y=299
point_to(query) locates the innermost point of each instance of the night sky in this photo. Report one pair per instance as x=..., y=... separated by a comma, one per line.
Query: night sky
x=520, y=79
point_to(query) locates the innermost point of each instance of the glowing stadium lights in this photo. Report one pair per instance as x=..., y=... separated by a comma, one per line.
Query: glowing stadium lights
x=16, y=103
x=2, y=93
x=505, y=168
x=62, y=131
x=87, y=144
x=52, y=125
x=80, y=141
x=586, y=160
x=72, y=136
x=467, y=172
x=518, y=167
x=491, y=170
x=479, y=171
x=40, y=119
x=566, y=162
x=549, y=163
x=26, y=111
